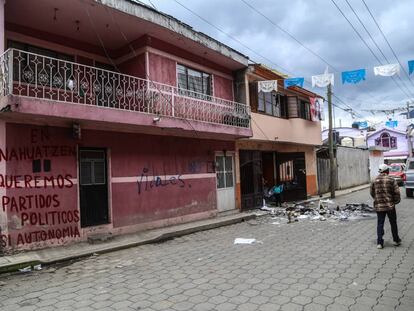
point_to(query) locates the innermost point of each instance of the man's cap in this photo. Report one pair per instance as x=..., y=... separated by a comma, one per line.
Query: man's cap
x=383, y=167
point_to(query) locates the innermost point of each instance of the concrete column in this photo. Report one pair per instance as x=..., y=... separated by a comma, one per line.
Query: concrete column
x=2, y=26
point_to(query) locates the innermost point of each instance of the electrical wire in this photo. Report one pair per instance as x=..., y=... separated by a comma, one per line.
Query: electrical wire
x=377, y=46
x=250, y=49
x=386, y=40
x=362, y=39
x=290, y=35
x=134, y=53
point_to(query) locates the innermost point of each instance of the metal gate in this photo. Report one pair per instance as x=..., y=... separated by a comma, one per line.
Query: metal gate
x=251, y=179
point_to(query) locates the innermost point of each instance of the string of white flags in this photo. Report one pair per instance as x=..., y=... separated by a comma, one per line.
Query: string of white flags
x=351, y=77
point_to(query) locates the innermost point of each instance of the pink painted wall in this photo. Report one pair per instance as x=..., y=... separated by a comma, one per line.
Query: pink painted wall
x=223, y=88
x=134, y=67
x=286, y=130
x=183, y=167
x=39, y=205
x=162, y=69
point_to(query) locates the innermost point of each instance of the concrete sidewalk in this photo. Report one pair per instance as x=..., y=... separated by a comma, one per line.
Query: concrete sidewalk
x=83, y=249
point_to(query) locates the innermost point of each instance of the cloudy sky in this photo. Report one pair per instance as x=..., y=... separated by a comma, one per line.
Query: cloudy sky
x=319, y=26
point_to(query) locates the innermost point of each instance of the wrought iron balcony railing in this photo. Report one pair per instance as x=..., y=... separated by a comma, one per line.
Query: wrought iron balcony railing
x=37, y=76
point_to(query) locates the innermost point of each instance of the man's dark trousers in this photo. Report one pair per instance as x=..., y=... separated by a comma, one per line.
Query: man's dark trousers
x=392, y=216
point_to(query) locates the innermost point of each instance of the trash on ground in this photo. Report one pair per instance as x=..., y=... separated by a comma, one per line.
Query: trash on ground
x=321, y=210
x=244, y=241
x=26, y=269
x=37, y=267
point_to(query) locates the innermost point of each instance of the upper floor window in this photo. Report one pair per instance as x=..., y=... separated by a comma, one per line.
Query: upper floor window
x=304, y=111
x=386, y=141
x=272, y=103
x=193, y=83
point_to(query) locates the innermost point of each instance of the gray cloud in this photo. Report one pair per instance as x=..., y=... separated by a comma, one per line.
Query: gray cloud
x=318, y=25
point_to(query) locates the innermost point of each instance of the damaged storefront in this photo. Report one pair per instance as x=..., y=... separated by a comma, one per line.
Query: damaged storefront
x=273, y=165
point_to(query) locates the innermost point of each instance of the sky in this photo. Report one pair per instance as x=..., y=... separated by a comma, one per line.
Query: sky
x=320, y=27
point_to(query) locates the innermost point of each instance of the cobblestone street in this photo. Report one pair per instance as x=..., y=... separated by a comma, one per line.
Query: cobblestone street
x=309, y=265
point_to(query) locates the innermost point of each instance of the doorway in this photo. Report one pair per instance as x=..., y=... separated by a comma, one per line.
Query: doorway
x=225, y=182
x=251, y=179
x=291, y=172
x=93, y=187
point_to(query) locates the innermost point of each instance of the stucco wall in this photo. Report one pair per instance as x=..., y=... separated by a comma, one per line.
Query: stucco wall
x=223, y=88
x=135, y=162
x=286, y=130
x=162, y=69
x=134, y=66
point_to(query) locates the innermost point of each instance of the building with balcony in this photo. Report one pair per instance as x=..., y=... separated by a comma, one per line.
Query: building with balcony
x=114, y=118
x=282, y=148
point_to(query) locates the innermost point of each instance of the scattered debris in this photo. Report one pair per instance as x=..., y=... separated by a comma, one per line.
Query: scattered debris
x=244, y=241
x=37, y=267
x=26, y=269
x=321, y=210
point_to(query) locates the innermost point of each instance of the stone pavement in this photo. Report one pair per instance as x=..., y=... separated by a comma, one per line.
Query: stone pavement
x=310, y=265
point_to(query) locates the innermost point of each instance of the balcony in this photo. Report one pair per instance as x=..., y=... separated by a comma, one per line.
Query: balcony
x=92, y=94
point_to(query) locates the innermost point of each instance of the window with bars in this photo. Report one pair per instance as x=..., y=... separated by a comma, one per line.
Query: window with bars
x=272, y=103
x=193, y=83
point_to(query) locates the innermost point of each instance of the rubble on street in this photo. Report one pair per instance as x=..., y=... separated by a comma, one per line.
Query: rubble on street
x=321, y=210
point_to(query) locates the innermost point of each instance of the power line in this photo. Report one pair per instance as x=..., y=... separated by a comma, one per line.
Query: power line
x=229, y=35
x=290, y=35
x=386, y=40
x=296, y=40
x=377, y=46
x=362, y=39
x=250, y=49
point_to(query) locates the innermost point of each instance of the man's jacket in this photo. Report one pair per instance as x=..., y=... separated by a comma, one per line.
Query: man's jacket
x=385, y=192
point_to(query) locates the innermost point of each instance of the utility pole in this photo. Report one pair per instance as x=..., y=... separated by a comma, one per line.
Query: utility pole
x=331, y=144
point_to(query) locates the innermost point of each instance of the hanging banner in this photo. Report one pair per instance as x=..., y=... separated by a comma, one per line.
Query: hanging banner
x=294, y=82
x=323, y=80
x=387, y=70
x=267, y=86
x=317, y=113
x=391, y=123
x=354, y=76
x=410, y=66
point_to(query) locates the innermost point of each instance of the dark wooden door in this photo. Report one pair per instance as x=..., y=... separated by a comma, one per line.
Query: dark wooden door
x=93, y=187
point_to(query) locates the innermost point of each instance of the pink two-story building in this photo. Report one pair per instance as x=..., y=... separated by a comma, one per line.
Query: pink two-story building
x=114, y=118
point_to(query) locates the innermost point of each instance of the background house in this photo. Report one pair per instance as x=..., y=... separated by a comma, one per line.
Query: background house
x=394, y=141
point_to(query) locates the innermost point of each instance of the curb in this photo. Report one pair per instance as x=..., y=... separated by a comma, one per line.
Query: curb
x=13, y=267
x=344, y=192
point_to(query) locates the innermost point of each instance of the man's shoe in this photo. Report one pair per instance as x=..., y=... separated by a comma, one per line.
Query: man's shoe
x=380, y=246
x=397, y=243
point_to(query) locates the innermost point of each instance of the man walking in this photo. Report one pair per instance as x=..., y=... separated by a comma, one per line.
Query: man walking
x=386, y=194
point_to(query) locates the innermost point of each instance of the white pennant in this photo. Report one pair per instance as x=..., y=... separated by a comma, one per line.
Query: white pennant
x=387, y=70
x=323, y=80
x=267, y=86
